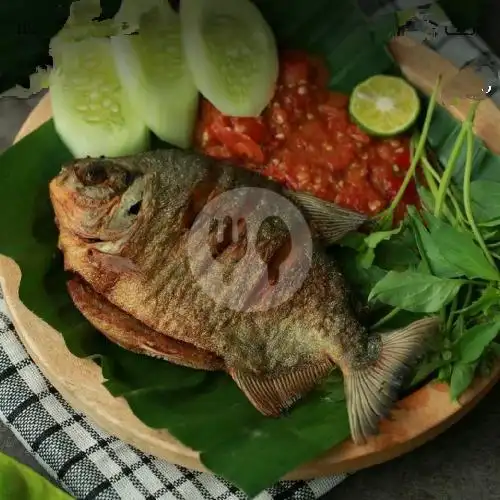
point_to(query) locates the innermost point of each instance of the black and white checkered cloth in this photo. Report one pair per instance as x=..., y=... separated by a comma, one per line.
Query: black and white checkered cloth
x=90, y=464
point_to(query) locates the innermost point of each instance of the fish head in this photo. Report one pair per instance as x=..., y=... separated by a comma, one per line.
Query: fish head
x=100, y=199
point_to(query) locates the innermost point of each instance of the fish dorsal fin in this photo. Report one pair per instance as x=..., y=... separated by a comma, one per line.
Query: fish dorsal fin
x=273, y=394
x=331, y=221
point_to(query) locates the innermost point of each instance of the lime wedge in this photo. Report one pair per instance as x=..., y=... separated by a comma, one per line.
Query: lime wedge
x=384, y=105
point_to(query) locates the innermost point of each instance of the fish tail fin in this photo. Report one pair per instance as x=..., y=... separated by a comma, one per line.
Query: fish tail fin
x=372, y=389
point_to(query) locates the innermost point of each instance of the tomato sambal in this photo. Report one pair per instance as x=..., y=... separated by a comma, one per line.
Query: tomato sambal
x=306, y=140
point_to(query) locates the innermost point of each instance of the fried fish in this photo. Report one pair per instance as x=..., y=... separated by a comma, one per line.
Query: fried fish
x=126, y=232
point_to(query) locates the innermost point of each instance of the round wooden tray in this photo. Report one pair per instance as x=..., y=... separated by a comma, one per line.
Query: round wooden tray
x=416, y=419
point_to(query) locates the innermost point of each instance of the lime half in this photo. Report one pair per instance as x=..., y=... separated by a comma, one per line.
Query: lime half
x=384, y=105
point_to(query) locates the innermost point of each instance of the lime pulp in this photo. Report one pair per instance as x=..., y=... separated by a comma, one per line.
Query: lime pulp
x=384, y=105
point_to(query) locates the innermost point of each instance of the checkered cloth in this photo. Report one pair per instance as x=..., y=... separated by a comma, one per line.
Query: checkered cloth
x=89, y=463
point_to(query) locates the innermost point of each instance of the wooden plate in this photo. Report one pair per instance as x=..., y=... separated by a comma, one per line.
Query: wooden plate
x=417, y=419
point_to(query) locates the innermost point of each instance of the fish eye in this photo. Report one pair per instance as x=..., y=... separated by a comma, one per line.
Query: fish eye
x=93, y=174
x=135, y=208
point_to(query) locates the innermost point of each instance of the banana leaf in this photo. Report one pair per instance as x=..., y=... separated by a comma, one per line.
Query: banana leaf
x=203, y=410
x=19, y=481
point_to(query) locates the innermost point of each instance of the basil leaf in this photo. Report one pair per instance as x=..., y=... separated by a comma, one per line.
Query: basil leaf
x=485, y=197
x=399, y=253
x=372, y=241
x=416, y=292
x=353, y=240
x=426, y=369
x=436, y=261
x=444, y=373
x=462, y=376
x=475, y=340
x=366, y=258
x=19, y=481
x=460, y=250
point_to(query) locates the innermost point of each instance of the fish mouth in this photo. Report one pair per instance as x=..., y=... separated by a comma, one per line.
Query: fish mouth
x=88, y=240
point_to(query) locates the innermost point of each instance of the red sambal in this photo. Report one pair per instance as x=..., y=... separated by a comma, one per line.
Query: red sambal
x=306, y=140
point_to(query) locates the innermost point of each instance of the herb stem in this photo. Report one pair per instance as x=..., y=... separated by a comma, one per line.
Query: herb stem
x=467, y=183
x=477, y=283
x=429, y=168
x=468, y=297
x=418, y=152
x=432, y=178
x=467, y=301
x=453, y=308
x=450, y=167
x=386, y=318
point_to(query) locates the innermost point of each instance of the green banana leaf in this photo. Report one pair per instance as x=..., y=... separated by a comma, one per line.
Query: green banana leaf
x=17, y=481
x=204, y=410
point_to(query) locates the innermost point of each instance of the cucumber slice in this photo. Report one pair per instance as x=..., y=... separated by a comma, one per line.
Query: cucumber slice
x=130, y=12
x=155, y=75
x=91, y=112
x=232, y=54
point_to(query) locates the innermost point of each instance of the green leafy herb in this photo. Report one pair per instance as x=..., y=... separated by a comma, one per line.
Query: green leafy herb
x=415, y=291
x=399, y=253
x=426, y=369
x=460, y=250
x=372, y=241
x=353, y=240
x=474, y=341
x=438, y=264
x=462, y=376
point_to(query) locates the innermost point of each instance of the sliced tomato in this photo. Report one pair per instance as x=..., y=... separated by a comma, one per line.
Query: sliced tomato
x=253, y=128
x=240, y=144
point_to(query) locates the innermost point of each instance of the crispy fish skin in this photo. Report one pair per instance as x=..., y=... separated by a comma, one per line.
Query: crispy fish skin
x=124, y=226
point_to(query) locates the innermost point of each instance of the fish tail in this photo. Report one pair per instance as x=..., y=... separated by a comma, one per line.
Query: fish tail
x=372, y=389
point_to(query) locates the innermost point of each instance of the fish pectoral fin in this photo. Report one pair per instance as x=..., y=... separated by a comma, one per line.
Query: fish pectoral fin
x=372, y=390
x=331, y=221
x=273, y=394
